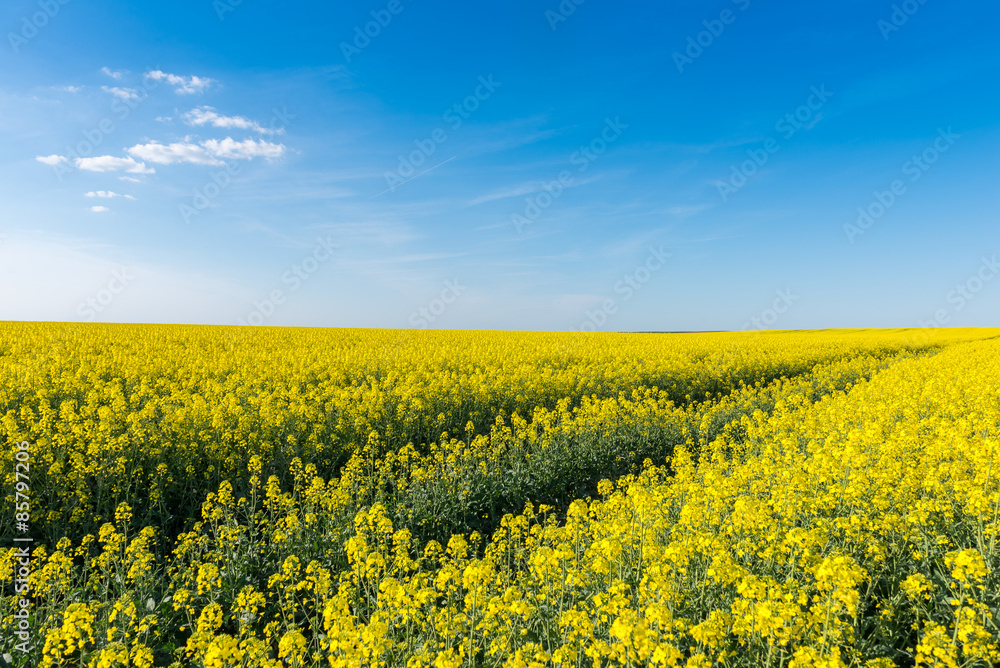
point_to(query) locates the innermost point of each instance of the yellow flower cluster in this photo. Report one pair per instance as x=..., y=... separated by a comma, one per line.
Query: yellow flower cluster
x=223, y=497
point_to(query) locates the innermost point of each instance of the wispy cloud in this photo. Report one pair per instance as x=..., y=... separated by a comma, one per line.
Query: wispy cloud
x=685, y=211
x=182, y=85
x=110, y=163
x=422, y=257
x=378, y=233
x=206, y=115
x=116, y=75
x=106, y=194
x=511, y=141
x=525, y=189
x=51, y=160
x=125, y=94
x=514, y=191
x=99, y=209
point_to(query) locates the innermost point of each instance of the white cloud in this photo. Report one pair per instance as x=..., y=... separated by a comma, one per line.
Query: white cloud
x=51, y=160
x=130, y=179
x=209, y=152
x=244, y=150
x=122, y=93
x=70, y=89
x=206, y=115
x=106, y=194
x=168, y=154
x=182, y=85
x=100, y=209
x=109, y=163
x=114, y=75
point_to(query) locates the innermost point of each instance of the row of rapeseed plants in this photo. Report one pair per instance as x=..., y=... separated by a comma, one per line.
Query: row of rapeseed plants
x=267, y=497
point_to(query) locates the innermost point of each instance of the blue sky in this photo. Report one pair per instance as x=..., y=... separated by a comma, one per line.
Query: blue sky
x=610, y=166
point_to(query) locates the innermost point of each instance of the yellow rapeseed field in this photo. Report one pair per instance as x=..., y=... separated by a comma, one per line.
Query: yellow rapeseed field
x=213, y=496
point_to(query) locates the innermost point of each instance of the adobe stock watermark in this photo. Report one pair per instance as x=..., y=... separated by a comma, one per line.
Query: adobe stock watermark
x=915, y=168
x=699, y=42
x=964, y=292
x=629, y=284
x=223, y=7
x=425, y=315
x=771, y=315
x=900, y=15
x=126, y=100
x=91, y=306
x=203, y=195
x=31, y=25
x=21, y=558
x=381, y=18
x=582, y=158
x=454, y=116
x=294, y=278
x=804, y=117
x=565, y=10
